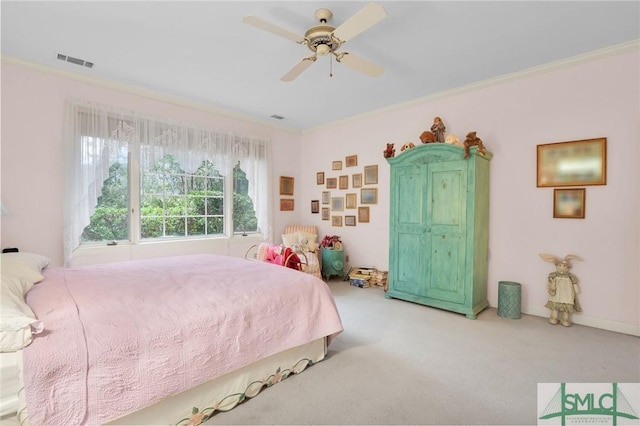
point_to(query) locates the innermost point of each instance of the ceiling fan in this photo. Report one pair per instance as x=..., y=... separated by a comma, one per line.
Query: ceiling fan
x=323, y=39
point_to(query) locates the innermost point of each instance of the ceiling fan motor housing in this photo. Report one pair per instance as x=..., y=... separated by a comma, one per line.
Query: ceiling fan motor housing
x=319, y=36
x=320, y=40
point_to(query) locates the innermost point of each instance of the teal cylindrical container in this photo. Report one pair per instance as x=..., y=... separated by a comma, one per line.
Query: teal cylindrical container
x=509, y=299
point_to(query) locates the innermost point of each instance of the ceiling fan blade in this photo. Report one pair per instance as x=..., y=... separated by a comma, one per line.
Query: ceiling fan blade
x=274, y=29
x=299, y=68
x=359, y=64
x=364, y=19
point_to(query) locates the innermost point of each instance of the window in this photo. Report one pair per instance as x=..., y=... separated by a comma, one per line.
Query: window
x=139, y=178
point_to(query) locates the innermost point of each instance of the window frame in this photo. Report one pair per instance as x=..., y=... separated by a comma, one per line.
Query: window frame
x=229, y=150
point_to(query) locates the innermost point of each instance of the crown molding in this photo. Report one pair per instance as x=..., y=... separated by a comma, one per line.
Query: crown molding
x=139, y=91
x=631, y=46
x=619, y=49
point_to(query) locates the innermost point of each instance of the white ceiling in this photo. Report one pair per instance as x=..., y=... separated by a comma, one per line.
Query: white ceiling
x=202, y=52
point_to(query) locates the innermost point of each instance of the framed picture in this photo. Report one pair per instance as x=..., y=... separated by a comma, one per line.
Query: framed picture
x=349, y=221
x=315, y=206
x=569, y=203
x=351, y=161
x=326, y=197
x=337, y=204
x=336, y=220
x=320, y=178
x=574, y=163
x=351, y=200
x=286, y=185
x=356, y=180
x=325, y=213
x=286, y=204
x=343, y=182
x=332, y=183
x=371, y=175
x=336, y=165
x=363, y=214
x=369, y=195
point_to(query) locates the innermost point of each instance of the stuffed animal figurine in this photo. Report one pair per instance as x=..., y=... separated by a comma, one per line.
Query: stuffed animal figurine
x=452, y=139
x=407, y=145
x=562, y=287
x=472, y=140
x=427, y=137
x=390, y=151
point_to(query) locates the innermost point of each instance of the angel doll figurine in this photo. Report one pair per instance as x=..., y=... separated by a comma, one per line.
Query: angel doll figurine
x=562, y=287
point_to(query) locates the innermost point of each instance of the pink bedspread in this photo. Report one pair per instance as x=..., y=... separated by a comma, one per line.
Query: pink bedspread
x=122, y=336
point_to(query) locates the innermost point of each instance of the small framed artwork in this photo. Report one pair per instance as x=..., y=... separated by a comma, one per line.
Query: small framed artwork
x=337, y=204
x=356, y=180
x=336, y=165
x=574, y=163
x=325, y=213
x=343, y=182
x=332, y=183
x=569, y=203
x=369, y=195
x=371, y=175
x=351, y=161
x=349, y=221
x=326, y=197
x=286, y=185
x=320, y=178
x=286, y=204
x=336, y=220
x=363, y=214
x=315, y=206
x=351, y=200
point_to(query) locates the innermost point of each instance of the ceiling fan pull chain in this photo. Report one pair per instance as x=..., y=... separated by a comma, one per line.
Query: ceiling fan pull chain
x=331, y=66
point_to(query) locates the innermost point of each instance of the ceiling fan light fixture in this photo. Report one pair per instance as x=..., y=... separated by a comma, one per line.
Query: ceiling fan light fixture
x=323, y=49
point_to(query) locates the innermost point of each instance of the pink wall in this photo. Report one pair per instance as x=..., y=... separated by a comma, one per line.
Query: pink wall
x=32, y=176
x=599, y=98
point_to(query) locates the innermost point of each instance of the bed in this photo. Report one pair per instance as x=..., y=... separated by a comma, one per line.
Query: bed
x=167, y=341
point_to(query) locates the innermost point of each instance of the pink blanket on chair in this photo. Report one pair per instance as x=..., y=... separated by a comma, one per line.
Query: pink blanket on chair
x=122, y=336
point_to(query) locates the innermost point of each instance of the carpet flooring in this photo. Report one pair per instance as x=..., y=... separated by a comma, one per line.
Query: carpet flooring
x=400, y=363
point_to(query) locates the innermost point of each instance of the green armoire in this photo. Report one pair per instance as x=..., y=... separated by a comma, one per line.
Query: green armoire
x=439, y=228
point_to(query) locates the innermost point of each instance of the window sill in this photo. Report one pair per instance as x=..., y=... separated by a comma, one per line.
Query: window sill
x=235, y=246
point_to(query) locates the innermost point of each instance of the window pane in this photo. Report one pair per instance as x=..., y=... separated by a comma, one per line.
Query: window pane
x=187, y=203
x=196, y=226
x=175, y=226
x=215, y=225
x=244, y=215
x=151, y=227
x=110, y=221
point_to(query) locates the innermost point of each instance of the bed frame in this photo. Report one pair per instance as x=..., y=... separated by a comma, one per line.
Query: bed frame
x=192, y=406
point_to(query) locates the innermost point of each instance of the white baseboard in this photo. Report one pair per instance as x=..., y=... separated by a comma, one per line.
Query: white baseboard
x=578, y=318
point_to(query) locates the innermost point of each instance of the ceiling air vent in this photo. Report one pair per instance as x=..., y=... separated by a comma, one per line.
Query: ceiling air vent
x=76, y=61
x=277, y=117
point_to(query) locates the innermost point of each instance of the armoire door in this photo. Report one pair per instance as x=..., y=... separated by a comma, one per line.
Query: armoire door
x=445, y=217
x=410, y=230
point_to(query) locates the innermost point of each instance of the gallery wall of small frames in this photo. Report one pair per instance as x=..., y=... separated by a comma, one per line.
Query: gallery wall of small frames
x=347, y=193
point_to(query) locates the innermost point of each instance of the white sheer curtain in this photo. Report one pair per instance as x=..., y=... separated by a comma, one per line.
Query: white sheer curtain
x=95, y=134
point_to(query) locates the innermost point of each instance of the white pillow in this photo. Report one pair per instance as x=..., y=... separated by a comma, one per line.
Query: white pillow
x=17, y=321
x=290, y=239
x=24, y=265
